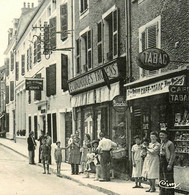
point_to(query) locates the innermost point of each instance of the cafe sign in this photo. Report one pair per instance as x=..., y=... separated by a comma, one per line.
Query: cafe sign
x=153, y=59
x=34, y=84
x=93, y=78
x=155, y=88
x=178, y=94
x=119, y=103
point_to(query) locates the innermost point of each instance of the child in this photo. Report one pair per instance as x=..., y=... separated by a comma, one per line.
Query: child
x=58, y=157
x=45, y=155
x=144, y=150
x=96, y=160
x=137, y=162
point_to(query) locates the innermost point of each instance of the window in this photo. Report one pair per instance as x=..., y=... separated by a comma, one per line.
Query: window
x=54, y=128
x=7, y=94
x=29, y=58
x=17, y=71
x=83, y=5
x=99, y=42
x=52, y=29
x=86, y=51
x=37, y=93
x=35, y=52
x=12, y=61
x=64, y=75
x=23, y=65
x=39, y=49
x=78, y=63
x=51, y=80
x=111, y=36
x=64, y=22
x=149, y=37
x=12, y=91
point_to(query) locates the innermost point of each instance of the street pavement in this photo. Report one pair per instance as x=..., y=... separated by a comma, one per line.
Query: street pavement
x=17, y=177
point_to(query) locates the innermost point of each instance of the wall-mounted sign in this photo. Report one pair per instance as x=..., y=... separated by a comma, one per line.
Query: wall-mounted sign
x=93, y=78
x=153, y=59
x=155, y=88
x=178, y=94
x=119, y=103
x=34, y=84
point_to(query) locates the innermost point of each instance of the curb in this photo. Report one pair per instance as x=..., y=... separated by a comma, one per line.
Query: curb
x=100, y=189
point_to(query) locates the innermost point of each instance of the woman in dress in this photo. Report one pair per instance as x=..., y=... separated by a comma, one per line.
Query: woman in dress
x=137, y=162
x=151, y=162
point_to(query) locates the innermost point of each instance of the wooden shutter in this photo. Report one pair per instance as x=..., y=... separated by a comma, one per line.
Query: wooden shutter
x=39, y=49
x=64, y=21
x=28, y=59
x=99, y=44
x=89, y=49
x=64, y=75
x=54, y=128
x=7, y=122
x=12, y=91
x=7, y=94
x=12, y=61
x=115, y=33
x=30, y=54
x=152, y=41
x=23, y=65
x=35, y=52
x=52, y=29
x=17, y=71
x=29, y=123
x=143, y=40
x=49, y=123
x=7, y=66
x=35, y=127
x=51, y=80
x=78, y=50
x=37, y=94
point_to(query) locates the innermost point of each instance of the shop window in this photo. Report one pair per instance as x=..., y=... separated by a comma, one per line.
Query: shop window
x=49, y=124
x=64, y=72
x=111, y=36
x=64, y=22
x=54, y=127
x=35, y=127
x=86, y=51
x=12, y=61
x=12, y=91
x=99, y=44
x=84, y=6
x=181, y=116
x=149, y=37
x=51, y=80
x=23, y=65
x=88, y=122
x=52, y=30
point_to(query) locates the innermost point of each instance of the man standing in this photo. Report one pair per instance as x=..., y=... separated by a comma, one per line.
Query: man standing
x=105, y=145
x=167, y=157
x=49, y=143
x=31, y=147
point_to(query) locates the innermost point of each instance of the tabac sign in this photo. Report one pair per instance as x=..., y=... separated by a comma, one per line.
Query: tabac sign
x=178, y=94
x=153, y=59
x=34, y=84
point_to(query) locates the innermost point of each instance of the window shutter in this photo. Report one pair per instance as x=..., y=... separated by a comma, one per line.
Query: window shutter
x=78, y=62
x=23, y=65
x=99, y=44
x=64, y=63
x=35, y=52
x=115, y=32
x=17, y=71
x=12, y=91
x=51, y=80
x=152, y=37
x=37, y=94
x=64, y=21
x=30, y=54
x=28, y=59
x=89, y=49
x=7, y=66
x=52, y=29
x=7, y=94
x=29, y=97
x=143, y=40
x=39, y=49
x=54, y=127
x=12, y=61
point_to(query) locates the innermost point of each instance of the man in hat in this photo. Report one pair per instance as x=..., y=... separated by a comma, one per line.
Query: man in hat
x=105, y=145
x=167, y=157
x=31, y=147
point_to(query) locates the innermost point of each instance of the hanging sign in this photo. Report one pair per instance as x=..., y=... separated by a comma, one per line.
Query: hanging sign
x=119, y=103
x=178, y=94
x=34, y=84
x=153, y=59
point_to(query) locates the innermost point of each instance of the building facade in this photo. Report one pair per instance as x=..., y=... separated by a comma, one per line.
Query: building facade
x=154, y=99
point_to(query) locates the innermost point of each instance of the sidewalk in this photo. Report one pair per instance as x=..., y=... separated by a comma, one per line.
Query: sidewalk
x=114, y=187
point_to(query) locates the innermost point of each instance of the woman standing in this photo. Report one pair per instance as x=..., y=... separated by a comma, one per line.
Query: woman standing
x=85, y=150
x=74, y=155
x=151, y=162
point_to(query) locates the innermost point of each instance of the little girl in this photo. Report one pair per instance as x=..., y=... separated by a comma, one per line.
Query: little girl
x=58, y=157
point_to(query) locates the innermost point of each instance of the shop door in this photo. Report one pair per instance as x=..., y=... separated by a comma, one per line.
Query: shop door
x=35, y=127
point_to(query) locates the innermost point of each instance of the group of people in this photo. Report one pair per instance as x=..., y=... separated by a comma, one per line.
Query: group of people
x=96, y=152
x=153, y=160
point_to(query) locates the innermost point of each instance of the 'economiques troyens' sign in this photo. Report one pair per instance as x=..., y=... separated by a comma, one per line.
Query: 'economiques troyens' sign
x=93, y=78
x=34, y=84
x=155, y=88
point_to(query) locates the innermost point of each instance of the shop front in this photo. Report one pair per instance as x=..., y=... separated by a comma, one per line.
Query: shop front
x=93, y=112
x=162, y=103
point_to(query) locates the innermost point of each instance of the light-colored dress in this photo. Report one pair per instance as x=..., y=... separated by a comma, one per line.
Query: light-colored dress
x=151, y=162
x=137, y=170
x=58, y=154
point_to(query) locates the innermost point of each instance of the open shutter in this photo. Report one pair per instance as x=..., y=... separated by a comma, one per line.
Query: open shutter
x=64, y=75
x=51, y=80
x=35, y=52
x=39, y=49
x=23, y=65
x=17, y=71
x=48, y=81
x=12, y=91
x=37, y=94
x=115, y=33
x=52, y=29
x=28, y=59
x=30, y=54
x=54, y=128
x=78, y=62
x=64, y=21
x=7, y=94
x=12, y=61
x=152, y=41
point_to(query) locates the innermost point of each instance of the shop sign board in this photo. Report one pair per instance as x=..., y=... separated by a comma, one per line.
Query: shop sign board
x=155, y=88
x=93, y=78
x=153, y=59
x=178, y=94
x=34, y=84
x=119, y=103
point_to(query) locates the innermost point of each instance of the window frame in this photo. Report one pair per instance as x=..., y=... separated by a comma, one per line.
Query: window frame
x=100, y=41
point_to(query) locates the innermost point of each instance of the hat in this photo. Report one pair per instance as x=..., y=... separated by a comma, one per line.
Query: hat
x=137, y=137
x=164, y=131
x=101, y=134
x=96, y=141
x=57, y=142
